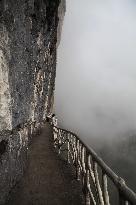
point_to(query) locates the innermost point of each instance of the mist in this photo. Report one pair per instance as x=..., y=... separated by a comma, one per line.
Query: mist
x=96, y=75
x=95, y=92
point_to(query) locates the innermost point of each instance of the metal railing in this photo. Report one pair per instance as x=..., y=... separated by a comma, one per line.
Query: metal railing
x=100, y=185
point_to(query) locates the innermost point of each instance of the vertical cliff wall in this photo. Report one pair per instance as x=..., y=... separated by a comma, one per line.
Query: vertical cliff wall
x=29, y=33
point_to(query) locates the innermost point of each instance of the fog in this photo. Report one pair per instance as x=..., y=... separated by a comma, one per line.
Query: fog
x=96, y=72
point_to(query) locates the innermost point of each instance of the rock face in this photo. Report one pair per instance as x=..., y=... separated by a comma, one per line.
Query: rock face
x=29, y=35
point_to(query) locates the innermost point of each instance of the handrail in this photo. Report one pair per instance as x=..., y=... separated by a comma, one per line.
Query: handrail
x=86, y=162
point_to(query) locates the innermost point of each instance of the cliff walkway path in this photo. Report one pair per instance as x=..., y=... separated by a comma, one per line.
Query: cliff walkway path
x=47, y=180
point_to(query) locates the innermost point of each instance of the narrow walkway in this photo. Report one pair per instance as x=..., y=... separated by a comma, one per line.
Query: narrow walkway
x=47, y=180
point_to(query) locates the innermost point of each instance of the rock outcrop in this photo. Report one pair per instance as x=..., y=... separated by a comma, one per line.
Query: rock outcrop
x=29, y=35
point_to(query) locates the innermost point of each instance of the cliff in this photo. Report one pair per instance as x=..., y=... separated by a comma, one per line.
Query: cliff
x=29, y=35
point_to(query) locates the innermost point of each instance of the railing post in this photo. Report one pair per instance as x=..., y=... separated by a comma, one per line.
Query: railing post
x=55, y=135
x=105, y=189
x=77, y=158
x=97, y=181
x=83, y=171
x=68, y=148
x=122, y=200
x=59, y=140
x=87, y=180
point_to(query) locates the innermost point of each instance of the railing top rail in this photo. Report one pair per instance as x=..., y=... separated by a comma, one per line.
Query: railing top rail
x=118, y=181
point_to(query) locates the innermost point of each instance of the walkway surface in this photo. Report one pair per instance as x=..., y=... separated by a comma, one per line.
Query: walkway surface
x=47, y=180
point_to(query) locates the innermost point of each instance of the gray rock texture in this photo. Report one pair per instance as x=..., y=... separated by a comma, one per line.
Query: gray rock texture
x=29, y=35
